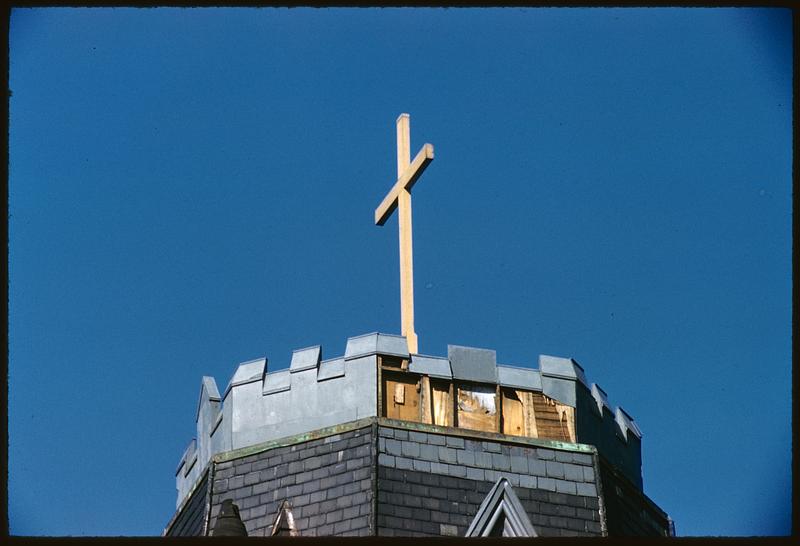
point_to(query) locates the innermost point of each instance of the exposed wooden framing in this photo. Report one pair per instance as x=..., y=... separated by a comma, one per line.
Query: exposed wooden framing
x=441, y=402
x=519, y=417
x=392, y=362
x=478, y=407
x=454, y=404
x=425, y=400
x=411, y=397
x=513, y=413
x=380, y=387
x=451, y=408
x=553, y=420
x=529, y=415
x=567, y=416
x=498, y=410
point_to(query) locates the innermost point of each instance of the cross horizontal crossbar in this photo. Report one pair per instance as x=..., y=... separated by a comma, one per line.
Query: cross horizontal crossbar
x=410, y=176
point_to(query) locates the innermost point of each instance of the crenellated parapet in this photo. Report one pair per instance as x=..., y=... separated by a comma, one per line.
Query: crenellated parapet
x=260, y=405
x=612, y=431
x=377, y=377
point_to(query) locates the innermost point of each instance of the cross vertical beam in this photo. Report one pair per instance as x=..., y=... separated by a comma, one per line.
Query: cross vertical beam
x=404, y=224
x=399, y=197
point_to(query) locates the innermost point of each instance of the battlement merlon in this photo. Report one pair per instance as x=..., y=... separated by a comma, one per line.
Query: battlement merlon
x=259, y=405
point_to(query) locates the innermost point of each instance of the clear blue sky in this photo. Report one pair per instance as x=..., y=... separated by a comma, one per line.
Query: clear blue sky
x=193, y=188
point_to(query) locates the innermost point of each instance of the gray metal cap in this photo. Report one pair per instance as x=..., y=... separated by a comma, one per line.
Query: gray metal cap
x=472, y=364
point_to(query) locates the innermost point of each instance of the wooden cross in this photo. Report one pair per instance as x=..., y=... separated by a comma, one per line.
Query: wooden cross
x=399, y=197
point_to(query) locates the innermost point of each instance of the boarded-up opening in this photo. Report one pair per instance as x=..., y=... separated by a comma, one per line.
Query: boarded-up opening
x=519, y=418
x=400, y=396
x=553, y=420
x=477, y=407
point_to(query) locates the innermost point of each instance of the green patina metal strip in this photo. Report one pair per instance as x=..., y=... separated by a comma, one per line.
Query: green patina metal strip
x=479, y=434
x=601, y=502
x=407, y=425
x=290, y=440
x=209, y=498
x=186, y=500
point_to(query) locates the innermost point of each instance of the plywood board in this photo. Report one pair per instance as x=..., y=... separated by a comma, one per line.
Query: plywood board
x=519, y=418
x=477, y=408
x=401, y=397
x=513, y=414
x=399, y=393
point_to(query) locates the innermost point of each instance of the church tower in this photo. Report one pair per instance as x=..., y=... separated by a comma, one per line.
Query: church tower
x=384, y=441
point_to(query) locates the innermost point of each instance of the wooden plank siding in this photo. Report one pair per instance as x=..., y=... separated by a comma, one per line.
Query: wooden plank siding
x=553, y=420
x=516, y=412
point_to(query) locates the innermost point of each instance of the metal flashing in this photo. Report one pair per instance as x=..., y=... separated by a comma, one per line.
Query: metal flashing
x=305, y=359
x=216, y=424
x=626, y=423
x=190, y=450
x=277, y=382
x=432, y=366
x=247, y=372
x=190, y=465
x=182, y=504
x=501, y=514
x=307, y=400
x=563, y=368
x=389, y=344
x=561, y=389
x=250, y=370
x=601, y=398
x=490, y=436
x=473, y=364
x=368, y=344
x=293, y=439
x=361, y=345
x=330, y=369
x=209, y=387
x=283, y=524
x=620, y=432
x=521, y=378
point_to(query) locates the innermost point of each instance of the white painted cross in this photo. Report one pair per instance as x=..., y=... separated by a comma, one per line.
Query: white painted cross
x=399, y=197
